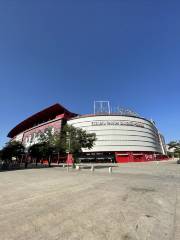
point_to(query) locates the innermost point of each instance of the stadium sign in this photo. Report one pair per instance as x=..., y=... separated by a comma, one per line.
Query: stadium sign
x=118, y=123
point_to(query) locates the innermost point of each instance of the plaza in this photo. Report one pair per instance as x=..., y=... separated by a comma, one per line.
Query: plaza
x=136, y=201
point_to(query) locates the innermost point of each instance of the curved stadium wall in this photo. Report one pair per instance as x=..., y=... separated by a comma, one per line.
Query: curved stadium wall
x=128, y=137
x=122, y=137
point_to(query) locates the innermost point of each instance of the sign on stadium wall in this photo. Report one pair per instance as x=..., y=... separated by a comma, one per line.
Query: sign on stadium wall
x=118, y=123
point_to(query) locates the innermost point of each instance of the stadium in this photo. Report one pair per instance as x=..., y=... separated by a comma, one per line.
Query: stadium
x=122, y=135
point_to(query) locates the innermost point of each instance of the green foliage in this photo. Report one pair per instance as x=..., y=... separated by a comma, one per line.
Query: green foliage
x=175, y=145
x=45, y=147
x=76, y=139
x=12, y=149
x=36, y=151
x=70, y=139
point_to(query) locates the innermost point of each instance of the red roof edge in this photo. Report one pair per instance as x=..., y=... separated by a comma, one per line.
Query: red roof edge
x=44, y=115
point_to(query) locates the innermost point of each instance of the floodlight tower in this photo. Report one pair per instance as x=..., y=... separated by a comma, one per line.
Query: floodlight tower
x=102, y=107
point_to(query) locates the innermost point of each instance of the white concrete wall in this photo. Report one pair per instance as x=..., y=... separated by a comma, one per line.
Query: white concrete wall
x=163, y=144
x=120, y=133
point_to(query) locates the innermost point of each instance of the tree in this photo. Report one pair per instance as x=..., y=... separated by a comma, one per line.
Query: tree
x=68, y=140
x=48, y=144
x=45, y=147
x=36, y=151
x=75, y=139
x=12, y=149
x=175, y=145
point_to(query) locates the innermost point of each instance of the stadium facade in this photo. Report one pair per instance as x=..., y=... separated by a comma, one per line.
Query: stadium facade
x=121, y=137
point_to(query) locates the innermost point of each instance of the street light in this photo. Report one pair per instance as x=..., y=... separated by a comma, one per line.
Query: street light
x=69, y=156
x=68, y=139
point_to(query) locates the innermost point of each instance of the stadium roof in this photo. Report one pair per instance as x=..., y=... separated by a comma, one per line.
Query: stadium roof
x=40, y=117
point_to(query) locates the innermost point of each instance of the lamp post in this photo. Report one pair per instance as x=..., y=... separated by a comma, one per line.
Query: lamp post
x=68, y=140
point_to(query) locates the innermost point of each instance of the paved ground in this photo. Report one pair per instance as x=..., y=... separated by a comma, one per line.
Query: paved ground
x=137, y=201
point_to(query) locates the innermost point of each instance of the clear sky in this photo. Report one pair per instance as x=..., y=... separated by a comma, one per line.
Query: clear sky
x=77, y=51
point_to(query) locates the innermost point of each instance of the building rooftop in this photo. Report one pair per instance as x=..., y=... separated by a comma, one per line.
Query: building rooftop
x=43, y=116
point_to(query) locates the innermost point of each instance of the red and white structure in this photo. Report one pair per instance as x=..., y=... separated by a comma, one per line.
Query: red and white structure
x=130, y=138
x=27, y=131
x=120, y=138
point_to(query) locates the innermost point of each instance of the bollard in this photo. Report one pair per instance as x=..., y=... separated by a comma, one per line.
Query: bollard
x=92, y=168
x=110, y=169
x=67, y=168
x=63, y=165
x=77, y=167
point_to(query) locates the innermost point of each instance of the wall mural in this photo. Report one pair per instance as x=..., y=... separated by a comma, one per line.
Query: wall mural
x=31, y=136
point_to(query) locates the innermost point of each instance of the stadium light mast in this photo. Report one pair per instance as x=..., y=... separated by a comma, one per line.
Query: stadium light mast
x=102, y=107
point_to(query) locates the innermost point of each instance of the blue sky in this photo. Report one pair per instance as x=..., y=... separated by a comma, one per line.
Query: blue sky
x=75, y=52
